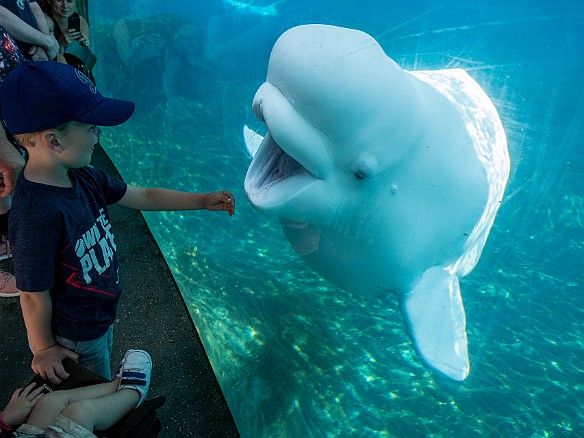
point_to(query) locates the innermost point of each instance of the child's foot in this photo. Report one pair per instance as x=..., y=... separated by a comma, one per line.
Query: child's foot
x=134, y=372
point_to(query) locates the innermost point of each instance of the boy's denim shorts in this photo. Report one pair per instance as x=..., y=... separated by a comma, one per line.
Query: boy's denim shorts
x=63, y=427
x=94, y=355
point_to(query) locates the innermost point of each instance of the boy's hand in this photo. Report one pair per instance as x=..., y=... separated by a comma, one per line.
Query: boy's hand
x=48, y=363
x=222, y=200
x=22, y=401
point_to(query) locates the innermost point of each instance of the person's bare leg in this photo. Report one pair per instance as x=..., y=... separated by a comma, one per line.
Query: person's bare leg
x=102, y=412
x=49, y=406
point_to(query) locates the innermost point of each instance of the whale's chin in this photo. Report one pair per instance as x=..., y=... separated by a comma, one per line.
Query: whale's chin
x=273, y=175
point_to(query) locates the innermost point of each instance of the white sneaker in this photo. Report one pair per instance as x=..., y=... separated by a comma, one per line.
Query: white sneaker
x=134, y=372
x=8, y=285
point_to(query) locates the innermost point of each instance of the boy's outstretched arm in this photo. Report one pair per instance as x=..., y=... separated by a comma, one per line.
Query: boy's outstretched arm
x=154, y=199
x=48, y=355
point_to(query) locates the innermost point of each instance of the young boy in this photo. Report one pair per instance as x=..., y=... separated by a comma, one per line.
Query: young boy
x=64, y=251
x=78, y=412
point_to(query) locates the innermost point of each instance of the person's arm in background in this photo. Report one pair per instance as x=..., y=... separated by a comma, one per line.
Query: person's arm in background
x=37, y=311
x=21, y=31
x=40, y=53
x=85, y=32
x=51, y=25
x=40, y=17
x=11, y=163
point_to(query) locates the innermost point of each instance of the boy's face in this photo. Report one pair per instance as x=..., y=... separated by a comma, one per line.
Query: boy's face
x=78, y=143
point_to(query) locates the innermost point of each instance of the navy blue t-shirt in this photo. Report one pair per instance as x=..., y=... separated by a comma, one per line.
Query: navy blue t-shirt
x=21, y=8
x=62, y=241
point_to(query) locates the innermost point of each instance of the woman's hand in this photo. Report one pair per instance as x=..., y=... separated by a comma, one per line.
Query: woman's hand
x=71, y=35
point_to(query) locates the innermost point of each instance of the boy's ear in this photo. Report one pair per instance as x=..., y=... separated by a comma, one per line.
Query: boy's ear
x=50, y=140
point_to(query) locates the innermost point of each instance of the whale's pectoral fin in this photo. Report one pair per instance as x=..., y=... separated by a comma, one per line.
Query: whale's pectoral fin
x=435, y=316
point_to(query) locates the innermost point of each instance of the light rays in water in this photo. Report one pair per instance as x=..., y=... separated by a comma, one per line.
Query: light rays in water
x=296, y=356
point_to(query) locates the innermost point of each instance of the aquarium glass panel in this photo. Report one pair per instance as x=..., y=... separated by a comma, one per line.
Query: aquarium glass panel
x=305, y=347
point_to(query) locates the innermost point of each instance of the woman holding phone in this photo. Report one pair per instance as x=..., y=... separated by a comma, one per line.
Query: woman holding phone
x=68, y=27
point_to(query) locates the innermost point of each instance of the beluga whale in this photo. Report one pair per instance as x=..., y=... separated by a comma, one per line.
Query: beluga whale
x=385, y=181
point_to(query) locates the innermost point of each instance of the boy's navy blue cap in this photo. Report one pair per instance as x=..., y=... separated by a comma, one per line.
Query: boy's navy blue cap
x=42, y=95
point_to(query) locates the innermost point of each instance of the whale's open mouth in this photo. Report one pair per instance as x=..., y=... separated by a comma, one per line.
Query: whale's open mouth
x=271, y=166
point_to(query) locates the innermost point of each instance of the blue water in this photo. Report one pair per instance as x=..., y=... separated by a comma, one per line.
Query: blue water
x=296, y=356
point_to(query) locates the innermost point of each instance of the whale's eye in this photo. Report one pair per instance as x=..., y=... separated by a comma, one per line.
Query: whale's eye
x=363, y=172
x=364, y=167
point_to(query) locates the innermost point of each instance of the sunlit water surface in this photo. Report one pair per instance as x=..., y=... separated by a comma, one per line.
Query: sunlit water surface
x=296, y=356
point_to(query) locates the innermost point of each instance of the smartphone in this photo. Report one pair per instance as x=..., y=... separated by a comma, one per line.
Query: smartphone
x=74, y=23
